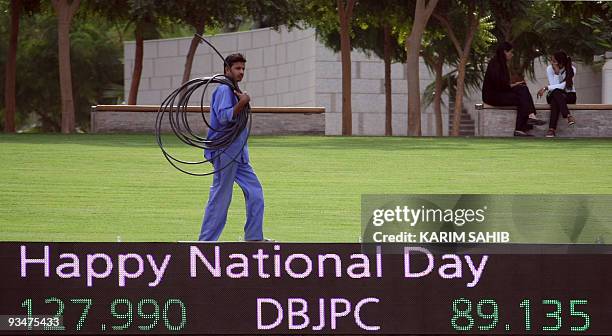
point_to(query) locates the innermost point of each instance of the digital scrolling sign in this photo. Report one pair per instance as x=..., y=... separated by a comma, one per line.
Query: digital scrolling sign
x=255, y=288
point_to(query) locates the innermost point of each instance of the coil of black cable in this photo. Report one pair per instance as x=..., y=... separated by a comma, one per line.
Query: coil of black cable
x=175, y=108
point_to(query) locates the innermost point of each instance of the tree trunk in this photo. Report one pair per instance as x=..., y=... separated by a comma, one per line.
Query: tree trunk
x=65, y=11
x=437, y=102
x=65, y=77
x=11, y=70
x=414, y=90
x=506, y=29
x=422, y=13
x=464, y=56
x=388, y=92
x=347, y=120
x=345, y=13
x=459, y=95
x=136, y=74
x=195, y=41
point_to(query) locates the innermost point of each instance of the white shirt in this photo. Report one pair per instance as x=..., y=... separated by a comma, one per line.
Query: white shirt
x=558, y=81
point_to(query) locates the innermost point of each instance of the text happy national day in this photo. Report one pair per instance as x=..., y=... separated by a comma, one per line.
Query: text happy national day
x=212, y=262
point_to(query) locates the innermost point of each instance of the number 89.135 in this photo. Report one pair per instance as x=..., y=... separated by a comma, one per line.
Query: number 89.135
x=484, y=315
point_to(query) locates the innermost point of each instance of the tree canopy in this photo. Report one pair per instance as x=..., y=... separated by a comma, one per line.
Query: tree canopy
x=388, y=29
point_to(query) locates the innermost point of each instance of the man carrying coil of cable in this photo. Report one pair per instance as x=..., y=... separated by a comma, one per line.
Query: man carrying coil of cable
x=231, y=164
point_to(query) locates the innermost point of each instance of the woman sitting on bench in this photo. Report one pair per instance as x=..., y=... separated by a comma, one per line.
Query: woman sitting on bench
x=560, y=89
x=498, y=91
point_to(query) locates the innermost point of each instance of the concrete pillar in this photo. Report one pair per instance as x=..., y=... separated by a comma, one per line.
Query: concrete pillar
x=606, y=80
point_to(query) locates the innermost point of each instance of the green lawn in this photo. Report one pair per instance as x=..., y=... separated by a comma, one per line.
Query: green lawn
x=101, y=187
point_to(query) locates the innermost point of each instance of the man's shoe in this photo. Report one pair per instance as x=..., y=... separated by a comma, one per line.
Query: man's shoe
x=551, y=133
x=534, y=121
x=518, y=133
x=571, y=120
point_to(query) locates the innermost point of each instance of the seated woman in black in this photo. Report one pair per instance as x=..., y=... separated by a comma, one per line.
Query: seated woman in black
x=498, y=91
x=561, y=90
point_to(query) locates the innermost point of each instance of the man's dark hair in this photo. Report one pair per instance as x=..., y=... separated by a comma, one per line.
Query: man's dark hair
x=234, y=58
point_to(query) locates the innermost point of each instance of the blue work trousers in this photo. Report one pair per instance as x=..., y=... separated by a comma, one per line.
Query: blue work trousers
x=220, y=197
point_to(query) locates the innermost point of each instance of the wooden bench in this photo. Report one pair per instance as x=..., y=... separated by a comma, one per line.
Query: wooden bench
x=266, y=120
x=592, y=120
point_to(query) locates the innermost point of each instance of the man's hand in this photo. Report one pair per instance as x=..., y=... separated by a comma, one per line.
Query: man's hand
x=243, y=101
x=517, y=83
x=243, y=97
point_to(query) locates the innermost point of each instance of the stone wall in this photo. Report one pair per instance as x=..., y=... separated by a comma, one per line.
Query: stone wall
x=368, y=94
x=263, y=123
x=280, y=66
x=589, y=123
x=606, y=85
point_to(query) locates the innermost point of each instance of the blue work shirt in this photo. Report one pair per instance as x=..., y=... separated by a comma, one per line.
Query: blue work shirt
x=222, y=117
